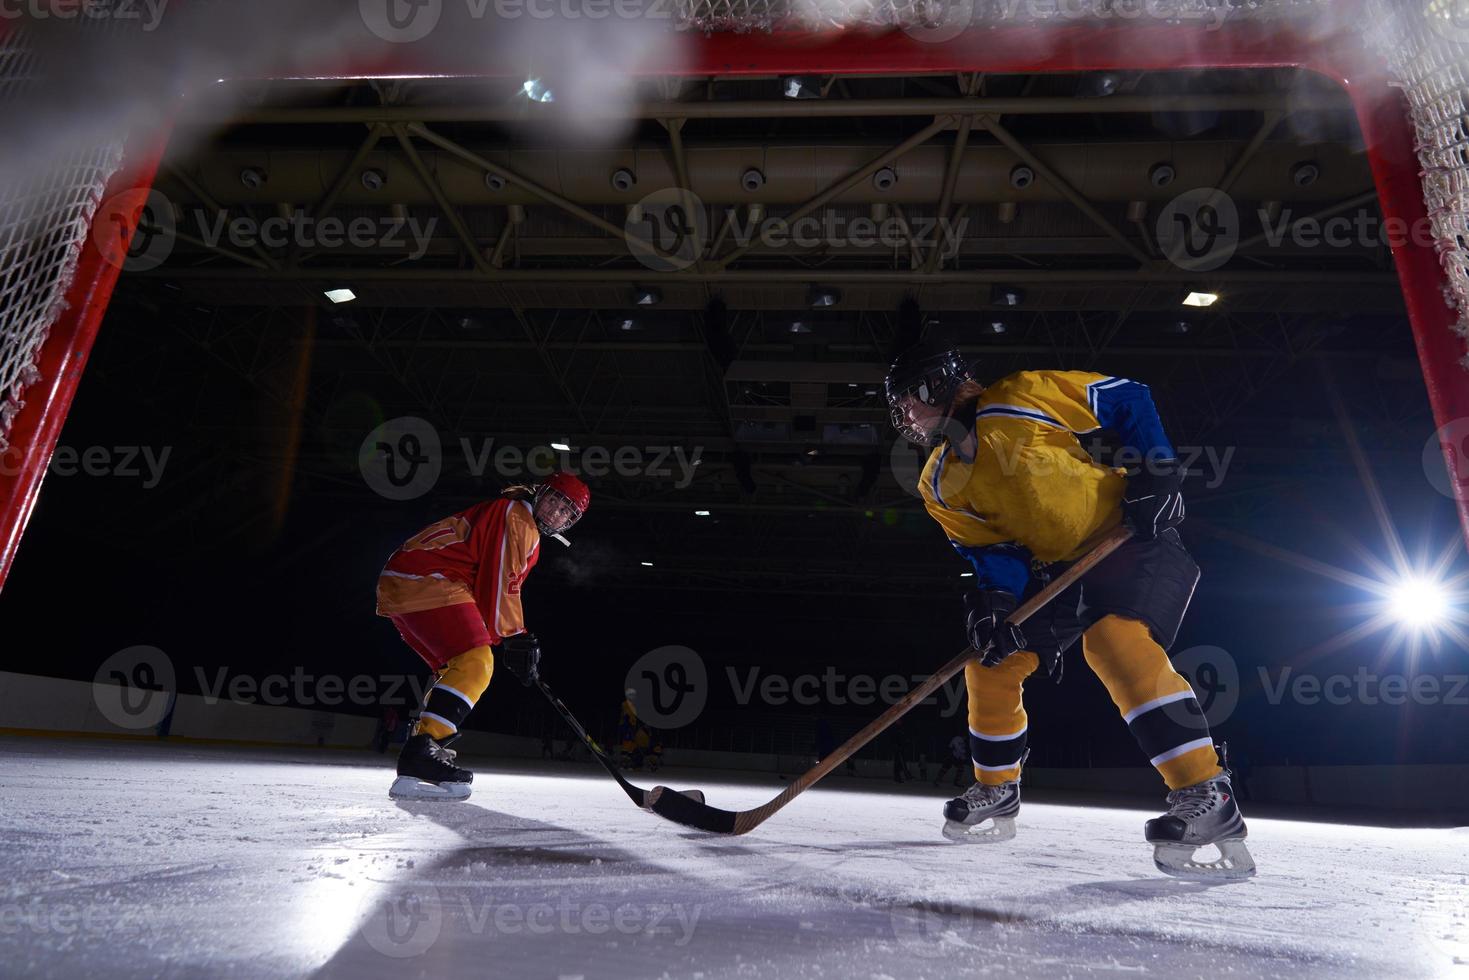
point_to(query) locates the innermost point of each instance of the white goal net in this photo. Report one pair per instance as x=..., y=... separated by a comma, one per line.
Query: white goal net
x=1427, y=50
x=46, y=213
x=45, y=218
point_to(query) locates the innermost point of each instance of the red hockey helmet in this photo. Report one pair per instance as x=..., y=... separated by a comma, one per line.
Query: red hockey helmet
x=561, y=500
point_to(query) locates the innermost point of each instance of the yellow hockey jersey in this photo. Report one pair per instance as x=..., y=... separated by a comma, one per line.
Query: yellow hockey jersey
x=1030, y=491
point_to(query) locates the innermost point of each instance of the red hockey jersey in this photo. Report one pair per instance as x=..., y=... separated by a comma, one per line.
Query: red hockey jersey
x=480, y=555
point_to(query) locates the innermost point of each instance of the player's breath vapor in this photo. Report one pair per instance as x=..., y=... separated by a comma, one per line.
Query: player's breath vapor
x=89, y=82
x=588, y=561
x=92, y=80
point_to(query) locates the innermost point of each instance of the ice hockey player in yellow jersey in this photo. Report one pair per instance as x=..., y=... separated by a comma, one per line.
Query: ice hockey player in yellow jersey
x=1018, y=496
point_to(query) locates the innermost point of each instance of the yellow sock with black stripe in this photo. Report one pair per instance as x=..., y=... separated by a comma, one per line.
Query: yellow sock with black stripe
x=459, y=685
x=998, y=724
x=1155, y=700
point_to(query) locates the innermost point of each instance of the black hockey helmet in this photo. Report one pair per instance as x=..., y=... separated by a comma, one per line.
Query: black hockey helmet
x=930, y=375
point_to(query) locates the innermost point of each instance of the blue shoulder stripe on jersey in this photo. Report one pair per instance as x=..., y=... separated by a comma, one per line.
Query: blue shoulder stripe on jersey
x=1020, y=412
x=1126, y=407
x=936, y=489
x=998, y=566
x=938, y=474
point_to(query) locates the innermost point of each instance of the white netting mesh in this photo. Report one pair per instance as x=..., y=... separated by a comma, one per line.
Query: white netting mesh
x=1427, y=48
x=45, y=215
x=44, y=219
x=766, y=15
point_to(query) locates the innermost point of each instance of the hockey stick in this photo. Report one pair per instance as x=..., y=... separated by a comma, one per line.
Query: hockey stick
x=690, y=813
x=638, y=795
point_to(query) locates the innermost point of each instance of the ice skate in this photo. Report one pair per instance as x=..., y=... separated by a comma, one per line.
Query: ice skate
x=1198, y=816
x=983, y=813
x=426, y=771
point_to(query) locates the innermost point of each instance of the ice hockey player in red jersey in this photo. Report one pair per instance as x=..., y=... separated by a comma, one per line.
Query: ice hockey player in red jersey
x=454, y=593
x=1020, y=498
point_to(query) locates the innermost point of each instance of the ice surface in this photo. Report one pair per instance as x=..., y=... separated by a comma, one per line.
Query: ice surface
x=125, y=859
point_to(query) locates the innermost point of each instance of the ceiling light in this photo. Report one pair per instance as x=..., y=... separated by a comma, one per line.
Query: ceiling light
x=646, y=564
x=340, y=295
x=561, y=447
x=1097, y=86
x=646, y=295
x=1200, y=299
x=628, y=323
x=701, y=513
x=819, y=297
x=537, y=90
x=966, y=575
x=997, y=327
x=800, y=326
x=1006, y=296
x=800, y=87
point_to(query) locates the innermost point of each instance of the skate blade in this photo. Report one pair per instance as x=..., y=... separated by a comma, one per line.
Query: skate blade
x=1180, y=860
x=986, y=832
x=408, y=788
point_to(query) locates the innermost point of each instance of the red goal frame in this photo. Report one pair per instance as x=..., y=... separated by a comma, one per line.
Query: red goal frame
x=1342, y=56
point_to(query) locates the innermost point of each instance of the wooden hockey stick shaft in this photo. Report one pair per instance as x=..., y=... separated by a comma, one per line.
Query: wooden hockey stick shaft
x=690, y=813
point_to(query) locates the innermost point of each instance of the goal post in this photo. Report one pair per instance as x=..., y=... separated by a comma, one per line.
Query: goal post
x=47, y=357
x=1405, y=66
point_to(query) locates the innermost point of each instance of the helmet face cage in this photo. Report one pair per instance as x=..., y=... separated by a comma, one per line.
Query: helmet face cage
x=552, y=496
x=934, y=381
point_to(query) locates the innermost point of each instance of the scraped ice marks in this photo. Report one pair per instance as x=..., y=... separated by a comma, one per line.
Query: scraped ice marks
x=1444, y=922
x=938, y=927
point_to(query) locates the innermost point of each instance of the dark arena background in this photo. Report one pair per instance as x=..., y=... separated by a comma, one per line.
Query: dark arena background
x=282, y=287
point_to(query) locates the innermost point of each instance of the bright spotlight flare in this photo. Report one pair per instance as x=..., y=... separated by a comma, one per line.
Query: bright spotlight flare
x=1419, y=601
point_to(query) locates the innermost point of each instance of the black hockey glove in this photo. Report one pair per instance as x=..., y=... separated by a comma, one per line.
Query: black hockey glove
x=521, y=655
x=1152, y=501
x=989, y=634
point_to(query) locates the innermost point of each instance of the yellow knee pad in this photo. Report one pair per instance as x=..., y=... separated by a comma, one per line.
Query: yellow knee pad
x=1134, y=668
x=997, y=719
x=469, y=673
x=456, y=690
x=1156, y=701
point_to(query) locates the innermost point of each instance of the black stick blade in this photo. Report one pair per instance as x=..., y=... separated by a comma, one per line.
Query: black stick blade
x=675, y=806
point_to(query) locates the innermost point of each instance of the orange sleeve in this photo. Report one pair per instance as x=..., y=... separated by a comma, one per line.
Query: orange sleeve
x=512, y=561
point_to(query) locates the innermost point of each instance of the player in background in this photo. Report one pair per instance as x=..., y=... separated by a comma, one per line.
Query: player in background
x=454, y=593
x=957, y=760
x=1019, y=497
